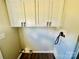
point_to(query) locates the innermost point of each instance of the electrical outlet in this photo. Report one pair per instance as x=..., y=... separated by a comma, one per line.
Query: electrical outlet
x=2, y=36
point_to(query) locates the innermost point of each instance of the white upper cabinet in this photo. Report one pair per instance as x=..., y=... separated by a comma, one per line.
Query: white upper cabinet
x=30, y=12
x=43, y=12
x=50, y=13
x=35, y=13
x=56, y=13
x=16, y=12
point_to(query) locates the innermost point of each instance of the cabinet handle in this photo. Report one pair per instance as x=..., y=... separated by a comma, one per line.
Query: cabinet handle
x=22, y=24
x=49, y=23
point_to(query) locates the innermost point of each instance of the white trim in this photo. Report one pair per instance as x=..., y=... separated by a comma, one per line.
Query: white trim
x=1, y=57
x=38, y=51
x=19, y=56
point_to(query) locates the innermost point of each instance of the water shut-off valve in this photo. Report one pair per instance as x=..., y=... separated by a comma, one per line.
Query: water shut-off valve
x=61, y=34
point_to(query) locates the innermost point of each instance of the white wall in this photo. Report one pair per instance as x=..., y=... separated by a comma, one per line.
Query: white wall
x=70, y=19
x=10, y=45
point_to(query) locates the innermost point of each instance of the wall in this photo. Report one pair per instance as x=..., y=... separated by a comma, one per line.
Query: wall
x=71, y=15
x=10, y=44
x=70, y=20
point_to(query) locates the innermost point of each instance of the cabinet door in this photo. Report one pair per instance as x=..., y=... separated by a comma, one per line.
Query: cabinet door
x=16, y=12
x=30, y=12
x=49, y=12
x=43, y=12
x=57, y=12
